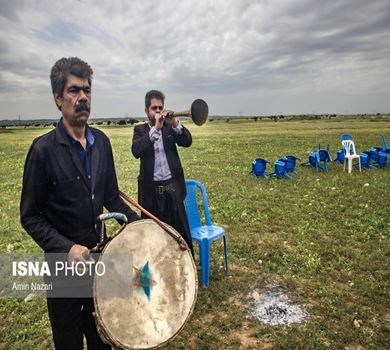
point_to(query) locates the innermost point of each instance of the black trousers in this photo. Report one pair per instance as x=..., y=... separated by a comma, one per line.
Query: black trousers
x=169, y=210
x=71, y=318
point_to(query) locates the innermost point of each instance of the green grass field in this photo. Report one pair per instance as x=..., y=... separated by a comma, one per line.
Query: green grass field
x=323, y=237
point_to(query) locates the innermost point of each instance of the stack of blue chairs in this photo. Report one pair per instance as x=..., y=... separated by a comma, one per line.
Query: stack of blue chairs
x=376, y=157
x=383, y=153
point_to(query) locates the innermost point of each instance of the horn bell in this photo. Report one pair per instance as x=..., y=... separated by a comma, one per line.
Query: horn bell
x=199, y=112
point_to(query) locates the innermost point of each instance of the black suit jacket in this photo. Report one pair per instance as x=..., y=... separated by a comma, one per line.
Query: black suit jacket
x=143, y=148
x=58, y=208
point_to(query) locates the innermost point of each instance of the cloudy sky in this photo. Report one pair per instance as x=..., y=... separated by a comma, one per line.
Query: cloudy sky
x=242, y=57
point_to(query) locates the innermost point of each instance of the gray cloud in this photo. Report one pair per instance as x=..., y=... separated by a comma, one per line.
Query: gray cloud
x=9, y=9
x=281, y=53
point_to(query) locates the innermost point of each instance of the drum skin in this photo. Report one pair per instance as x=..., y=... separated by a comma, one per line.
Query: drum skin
x=134, y=319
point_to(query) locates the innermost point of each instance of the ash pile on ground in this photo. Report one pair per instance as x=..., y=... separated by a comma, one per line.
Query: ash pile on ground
x=274, y=308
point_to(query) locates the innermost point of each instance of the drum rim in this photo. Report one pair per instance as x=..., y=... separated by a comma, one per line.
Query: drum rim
x=102, y=330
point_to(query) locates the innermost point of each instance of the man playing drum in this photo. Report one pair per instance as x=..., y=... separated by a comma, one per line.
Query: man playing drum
x=69, y=176
x=161, y=185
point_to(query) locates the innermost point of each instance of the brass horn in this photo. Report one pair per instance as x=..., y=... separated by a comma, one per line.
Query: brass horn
x=199, y=112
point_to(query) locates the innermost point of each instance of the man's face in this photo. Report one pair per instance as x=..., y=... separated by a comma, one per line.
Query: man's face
x=156, y=106
x=75, y=101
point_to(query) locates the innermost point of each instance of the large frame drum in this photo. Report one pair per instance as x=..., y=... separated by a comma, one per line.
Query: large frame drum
x=144, y=306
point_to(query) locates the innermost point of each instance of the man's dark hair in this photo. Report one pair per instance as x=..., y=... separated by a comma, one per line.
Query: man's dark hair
x=65, y=66
x=158, y=95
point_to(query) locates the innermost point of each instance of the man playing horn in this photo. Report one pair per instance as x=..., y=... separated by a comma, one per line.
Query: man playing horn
x=161, y=184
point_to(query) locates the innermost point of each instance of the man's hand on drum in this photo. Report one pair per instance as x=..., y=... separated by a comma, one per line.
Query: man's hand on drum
x=78, y=253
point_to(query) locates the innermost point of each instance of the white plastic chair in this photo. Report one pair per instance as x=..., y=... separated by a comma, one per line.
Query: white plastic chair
x=350, y=154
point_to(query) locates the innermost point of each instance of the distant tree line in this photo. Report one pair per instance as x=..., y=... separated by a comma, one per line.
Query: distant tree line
x=45, y=123
x=126, y=121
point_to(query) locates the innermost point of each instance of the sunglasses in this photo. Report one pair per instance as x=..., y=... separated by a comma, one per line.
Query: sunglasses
x=155, y=108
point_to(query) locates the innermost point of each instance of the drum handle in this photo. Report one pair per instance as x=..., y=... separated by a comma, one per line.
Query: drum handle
x=117, y=216
x=182, y=243
x=103, y=218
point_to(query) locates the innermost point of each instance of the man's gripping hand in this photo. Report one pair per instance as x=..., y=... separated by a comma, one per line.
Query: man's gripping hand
x=159, y=117
x=169, y=118
x=78, y=253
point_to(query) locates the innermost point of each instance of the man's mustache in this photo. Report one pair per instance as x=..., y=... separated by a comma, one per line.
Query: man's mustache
x=82, y=106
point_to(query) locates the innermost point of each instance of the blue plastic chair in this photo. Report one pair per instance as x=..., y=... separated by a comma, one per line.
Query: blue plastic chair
x=324, y=156
x=291, y=162
x=314, y=160
x=382, y=159
x=280, y=169
x=204, y=235
x=385, y=145
x=374, y=153
x=259, y=165
x=316, y=157
x=340, y=156
x=365, y=159
x=374, y=158
x=344, y=137
x=378, y=157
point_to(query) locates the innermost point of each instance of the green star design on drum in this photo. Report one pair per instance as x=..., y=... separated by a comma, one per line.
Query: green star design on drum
x=143, y=279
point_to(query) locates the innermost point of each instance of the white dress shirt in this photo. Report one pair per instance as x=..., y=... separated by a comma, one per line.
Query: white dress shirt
x=161, y=166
